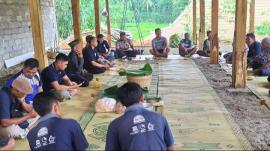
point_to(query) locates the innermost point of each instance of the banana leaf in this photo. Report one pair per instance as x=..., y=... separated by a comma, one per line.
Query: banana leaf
x=111, y=93
x=146, y=70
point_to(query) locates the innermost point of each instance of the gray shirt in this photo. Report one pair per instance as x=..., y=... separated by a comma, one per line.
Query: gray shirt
x=159, y=43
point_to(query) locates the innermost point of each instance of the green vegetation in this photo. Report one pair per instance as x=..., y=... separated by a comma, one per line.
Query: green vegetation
x=263, y=29
x=150, y=14
x=174, y=40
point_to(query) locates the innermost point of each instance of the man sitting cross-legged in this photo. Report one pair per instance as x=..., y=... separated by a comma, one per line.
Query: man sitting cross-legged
x=92, y=63
x=138, y=128
x=54, y=79
x=53, y=132
x=16, y=116
x=185, y=47
x=30, y=72
x=124, y=47
x=75, y=69
x=159, y=45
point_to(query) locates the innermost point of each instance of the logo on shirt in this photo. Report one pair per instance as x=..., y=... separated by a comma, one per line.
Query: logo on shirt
x=141, y=126
x=42, y=132
x=138, y=119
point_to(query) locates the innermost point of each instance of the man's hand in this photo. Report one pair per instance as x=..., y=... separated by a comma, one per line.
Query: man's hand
x=32, y=114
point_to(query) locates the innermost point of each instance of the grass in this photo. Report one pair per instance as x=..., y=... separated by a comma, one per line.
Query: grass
x=146, y=28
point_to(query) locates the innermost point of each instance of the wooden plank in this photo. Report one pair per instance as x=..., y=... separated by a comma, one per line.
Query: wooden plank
x=252, y=16
x=239, y=56
x=214, y=41
x=37, y=32
x=97, y=17
x=109, y=33
x=76, y=19
x=202, y=24
x=194, y=37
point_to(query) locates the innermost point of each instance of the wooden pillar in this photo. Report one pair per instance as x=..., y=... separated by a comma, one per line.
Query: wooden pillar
x=194, y=35
x=202, y=24
x=252, y=16
x=97, y=17
x=37, y=33
x=76, y=19
x=109, y=34
x=214, y=40
x=239, y=56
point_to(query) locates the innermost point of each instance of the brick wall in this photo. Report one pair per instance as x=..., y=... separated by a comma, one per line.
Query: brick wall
x=15, y=27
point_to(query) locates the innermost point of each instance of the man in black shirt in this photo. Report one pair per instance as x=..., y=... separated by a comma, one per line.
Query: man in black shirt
x=74, y=69
x=103, y=48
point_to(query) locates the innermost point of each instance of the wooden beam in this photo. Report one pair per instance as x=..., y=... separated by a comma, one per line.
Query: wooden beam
x=97, y=17
x=214, y=41
x=239, y=55
x=202, y=24
x=38, y=33
x=252, y=17
x=109, y=34
x=194, y=37
x=76, y=19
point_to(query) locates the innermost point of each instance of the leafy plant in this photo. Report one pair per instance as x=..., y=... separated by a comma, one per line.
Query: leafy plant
x=174, y=40
x=263, y=29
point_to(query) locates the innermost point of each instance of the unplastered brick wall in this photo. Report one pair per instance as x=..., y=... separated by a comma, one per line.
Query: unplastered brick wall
x=15, y=28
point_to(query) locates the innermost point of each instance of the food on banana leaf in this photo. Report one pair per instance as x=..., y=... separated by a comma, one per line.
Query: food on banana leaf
x=146, y=70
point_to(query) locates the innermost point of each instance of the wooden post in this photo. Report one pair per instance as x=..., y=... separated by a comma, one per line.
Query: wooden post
x=76, y=19
x=239, y=55
x=194, y=23
x=109, y=34
x=37, y=33
x=202, y=24
x=214, y=40
x=252, y=16
x=97, y=17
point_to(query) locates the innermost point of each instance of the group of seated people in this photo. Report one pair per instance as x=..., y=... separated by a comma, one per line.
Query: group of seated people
x=29, y=102
x=258, y=55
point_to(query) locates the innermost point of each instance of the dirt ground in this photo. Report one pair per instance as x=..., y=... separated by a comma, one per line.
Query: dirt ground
x=246, y=109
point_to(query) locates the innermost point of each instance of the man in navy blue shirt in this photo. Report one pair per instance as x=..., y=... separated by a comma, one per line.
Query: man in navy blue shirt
x=16, y=116
x=53, y=132
x=30, y=72
x=103, y=48
x=54, y=79
x=138, y=128
x=92, y=62
x=255, y=49
x=185, y=47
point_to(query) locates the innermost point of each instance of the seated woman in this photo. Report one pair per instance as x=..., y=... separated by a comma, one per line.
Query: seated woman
x=261, y=64
x=92, y=62
x=185, y=47
x=104, y=50
x=123, y=46
x=74, y=69
x=159, y=45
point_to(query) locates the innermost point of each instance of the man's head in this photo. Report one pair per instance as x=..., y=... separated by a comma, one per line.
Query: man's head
x=130, y=94
x=123, y=36
x=75, y=45
x=46, y=103
x=209, y=34
x=158, y=32
x=250, y=38
x=30, y=68
x=61, y=62
x=21, y=87
x=266, y=43
x=100, y=38
x=91, y=40
x=187, y=36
